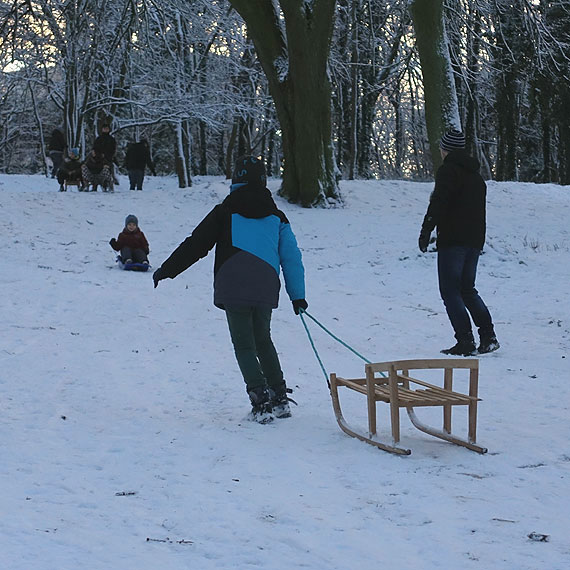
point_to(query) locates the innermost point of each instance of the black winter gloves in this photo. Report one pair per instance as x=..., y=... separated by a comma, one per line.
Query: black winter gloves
x=300, y=306
x=423, y=240
x=425, y=233
x=112, y=242
x=157, y=276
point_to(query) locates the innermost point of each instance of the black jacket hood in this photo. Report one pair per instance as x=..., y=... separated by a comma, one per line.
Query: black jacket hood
x=251, y=202
x=461, y=158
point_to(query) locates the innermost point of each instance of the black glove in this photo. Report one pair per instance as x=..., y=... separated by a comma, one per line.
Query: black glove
x=423, y=240
x=112, y=242
x=157, y=276
x=300, y=306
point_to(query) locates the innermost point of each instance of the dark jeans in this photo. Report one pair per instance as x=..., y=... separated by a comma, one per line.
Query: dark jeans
x=250, y=330
x=57, y=160
x=135, y=255
x=136, y=178
x=457, y=270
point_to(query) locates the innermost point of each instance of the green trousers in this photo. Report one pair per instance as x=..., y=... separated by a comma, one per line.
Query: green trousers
x=250, y=330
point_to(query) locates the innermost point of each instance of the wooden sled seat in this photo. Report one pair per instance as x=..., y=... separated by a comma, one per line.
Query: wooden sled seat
x=396, y=387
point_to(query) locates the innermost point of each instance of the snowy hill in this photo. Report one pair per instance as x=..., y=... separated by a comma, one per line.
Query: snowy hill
x=122, y=407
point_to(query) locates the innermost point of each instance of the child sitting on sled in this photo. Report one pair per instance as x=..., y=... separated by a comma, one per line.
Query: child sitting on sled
x=70, y=170
x=131, y=243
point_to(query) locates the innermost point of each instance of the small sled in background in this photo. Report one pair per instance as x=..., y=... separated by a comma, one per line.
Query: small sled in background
x=132, y=266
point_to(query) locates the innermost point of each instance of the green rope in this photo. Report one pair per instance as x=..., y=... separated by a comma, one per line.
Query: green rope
x=338, y=339
x=301, y=313
x=315, y=349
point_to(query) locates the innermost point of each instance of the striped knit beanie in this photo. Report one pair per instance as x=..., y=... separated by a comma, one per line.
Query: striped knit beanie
x=452, y=140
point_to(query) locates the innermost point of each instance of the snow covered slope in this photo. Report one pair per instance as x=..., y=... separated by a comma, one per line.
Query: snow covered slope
x=123, y=443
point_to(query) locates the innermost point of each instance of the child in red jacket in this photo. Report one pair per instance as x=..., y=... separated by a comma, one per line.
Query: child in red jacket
x=131, y=242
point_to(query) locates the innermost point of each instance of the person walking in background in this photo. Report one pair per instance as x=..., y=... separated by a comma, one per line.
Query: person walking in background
x=56, y=149
x=131, y=242
x=457, y=209
x=136, y=160
x=253, y=239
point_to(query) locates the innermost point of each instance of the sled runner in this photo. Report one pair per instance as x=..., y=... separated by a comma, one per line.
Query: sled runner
x=400, y=390
x=133, y=266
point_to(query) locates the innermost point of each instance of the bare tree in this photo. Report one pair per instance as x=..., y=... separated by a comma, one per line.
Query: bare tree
x=292, y=40
x=441, y=107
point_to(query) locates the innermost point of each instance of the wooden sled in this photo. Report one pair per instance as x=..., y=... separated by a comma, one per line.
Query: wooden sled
x=400, y=390
x=68, y=183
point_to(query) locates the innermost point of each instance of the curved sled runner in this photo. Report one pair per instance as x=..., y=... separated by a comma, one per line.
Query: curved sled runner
x=400, y=390
x=133, y=266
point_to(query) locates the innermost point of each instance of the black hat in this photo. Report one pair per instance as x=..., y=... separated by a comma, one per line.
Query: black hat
x=248, y=170
x=131, y=218
x=452, y=140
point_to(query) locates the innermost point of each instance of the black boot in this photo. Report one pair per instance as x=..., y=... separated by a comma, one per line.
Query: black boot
x=465, y=346
x=488, y=344
x=260, y=405
x=488, y=341
x=280, y=401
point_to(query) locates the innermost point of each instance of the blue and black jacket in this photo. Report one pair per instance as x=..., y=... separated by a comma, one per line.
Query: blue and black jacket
x=253, y=240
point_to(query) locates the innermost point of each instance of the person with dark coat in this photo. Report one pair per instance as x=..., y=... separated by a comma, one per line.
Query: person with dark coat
x=136, y=160
x=70, y=170
x=457, y=209
x=131, y=242
x=96, y=171
x=56, y=149
x=106, y=145
x=253, y=240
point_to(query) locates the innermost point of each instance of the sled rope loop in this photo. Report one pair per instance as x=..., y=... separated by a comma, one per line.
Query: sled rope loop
x=301, y=313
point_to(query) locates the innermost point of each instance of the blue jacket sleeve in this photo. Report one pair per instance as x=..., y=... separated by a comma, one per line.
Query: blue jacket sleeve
x=291, y=262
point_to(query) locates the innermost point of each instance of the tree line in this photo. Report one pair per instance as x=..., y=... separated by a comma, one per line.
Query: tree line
x=321, y=89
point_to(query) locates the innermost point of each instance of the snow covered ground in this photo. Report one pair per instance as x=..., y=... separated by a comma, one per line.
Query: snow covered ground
x=123, y=443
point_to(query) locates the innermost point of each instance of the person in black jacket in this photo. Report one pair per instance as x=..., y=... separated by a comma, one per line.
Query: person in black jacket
x=136, y=160
x=106, y=146
x=96, y=171
x=70, y=170
x=56, y=149
x=457, y=209
x=253, y=240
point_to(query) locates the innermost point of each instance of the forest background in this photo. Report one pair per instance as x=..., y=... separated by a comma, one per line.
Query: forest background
x=191, y=78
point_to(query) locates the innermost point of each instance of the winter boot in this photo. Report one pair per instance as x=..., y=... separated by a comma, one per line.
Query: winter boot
x=488, y=343
x=260, y=405
x=465, y=346
x=280, y=402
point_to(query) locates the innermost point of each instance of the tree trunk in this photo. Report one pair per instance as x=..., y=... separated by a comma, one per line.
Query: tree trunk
x=296, y=71
x=180, y=157
x=441, y=107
